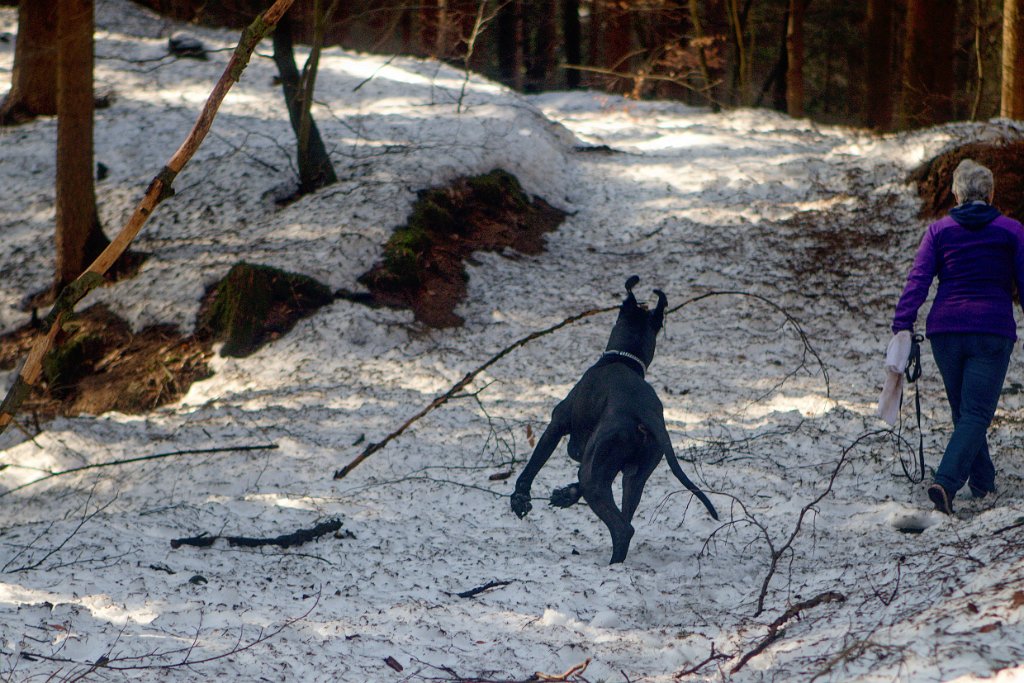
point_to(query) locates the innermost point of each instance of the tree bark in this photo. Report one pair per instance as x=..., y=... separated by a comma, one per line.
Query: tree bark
x=795, y=58
x=509, y=43
x=34, y=78
x=315, y=168
x=927, y=96
x=572, y=35
x=543, y=23
x=878, y=106
x=1012, y=104
x=78, y=235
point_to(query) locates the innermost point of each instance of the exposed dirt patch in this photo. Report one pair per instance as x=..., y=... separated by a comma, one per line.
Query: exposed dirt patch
x=423, y=263
x=838, y=250
x=99, y=365
x=935, y=178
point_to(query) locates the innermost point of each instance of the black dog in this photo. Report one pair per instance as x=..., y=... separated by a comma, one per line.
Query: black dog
x=615, y=423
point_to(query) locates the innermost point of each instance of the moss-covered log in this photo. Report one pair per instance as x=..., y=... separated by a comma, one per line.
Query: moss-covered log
x=256, y=304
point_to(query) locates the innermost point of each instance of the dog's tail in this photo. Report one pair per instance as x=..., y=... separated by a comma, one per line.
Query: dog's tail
x=661, y=434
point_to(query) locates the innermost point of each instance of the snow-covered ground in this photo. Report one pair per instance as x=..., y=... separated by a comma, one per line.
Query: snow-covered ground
x=817, y=220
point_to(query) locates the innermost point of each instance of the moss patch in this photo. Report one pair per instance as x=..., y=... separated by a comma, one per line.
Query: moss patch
x=422, y=266
x=935, y=178
x=254, y=304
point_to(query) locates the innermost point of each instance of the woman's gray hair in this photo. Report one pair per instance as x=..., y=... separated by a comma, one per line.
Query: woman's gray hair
x=971, y=182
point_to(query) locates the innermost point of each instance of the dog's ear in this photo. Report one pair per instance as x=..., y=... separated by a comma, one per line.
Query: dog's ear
x=658, y=314
x=630, y=298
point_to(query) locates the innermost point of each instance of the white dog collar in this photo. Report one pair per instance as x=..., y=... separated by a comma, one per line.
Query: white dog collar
x=626, y=354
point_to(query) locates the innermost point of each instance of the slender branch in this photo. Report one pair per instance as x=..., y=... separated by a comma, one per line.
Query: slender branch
x=141, y=458
x=775, y=629
x=700, y=665
x=117, y=664
x=778, y=553
x=462, y=384
x=159, y=189
x=86, y=518
x=441, y=399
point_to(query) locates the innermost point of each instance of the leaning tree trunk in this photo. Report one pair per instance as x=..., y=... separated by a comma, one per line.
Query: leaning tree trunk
x=1012, y=106
x=315, y=169
x=928, y=64
x=34, y=78
x=79, y=237
x=878, y=97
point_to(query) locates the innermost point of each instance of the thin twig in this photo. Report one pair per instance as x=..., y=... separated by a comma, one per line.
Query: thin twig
x=775, y=629
x=778, y=553
x=142, y=458
x=115, y=664
x=470, y=376
x=473, y=592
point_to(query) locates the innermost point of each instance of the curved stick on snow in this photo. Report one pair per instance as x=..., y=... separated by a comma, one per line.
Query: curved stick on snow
x=470, y=376
x=159, y=189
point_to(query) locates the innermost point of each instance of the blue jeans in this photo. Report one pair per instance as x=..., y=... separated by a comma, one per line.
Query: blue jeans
x=973, y=367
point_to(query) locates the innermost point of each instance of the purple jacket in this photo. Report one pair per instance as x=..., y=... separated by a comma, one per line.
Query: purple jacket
x=978, y=255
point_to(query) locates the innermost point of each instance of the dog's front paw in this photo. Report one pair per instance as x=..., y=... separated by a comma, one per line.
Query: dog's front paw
x=521, y=504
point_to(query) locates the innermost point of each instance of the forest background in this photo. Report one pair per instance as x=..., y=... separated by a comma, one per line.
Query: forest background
x=882, y=64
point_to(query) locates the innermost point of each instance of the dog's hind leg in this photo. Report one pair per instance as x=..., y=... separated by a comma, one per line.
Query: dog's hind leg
x=567, y=496
x=597, y=474
x=633, y=481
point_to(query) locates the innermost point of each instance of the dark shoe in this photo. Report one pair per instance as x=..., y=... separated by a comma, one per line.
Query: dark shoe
x=980, y=492
x=940, y=498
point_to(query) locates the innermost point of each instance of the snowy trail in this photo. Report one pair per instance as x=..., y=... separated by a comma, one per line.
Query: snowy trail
x=818, y=220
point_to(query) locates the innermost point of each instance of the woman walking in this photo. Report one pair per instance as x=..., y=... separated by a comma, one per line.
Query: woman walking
x=978, y=256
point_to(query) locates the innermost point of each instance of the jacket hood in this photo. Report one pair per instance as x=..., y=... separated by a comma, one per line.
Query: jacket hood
x=974, y=215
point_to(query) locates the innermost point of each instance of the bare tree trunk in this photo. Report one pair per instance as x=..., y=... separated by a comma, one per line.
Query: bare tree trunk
x=878, y=92
x=315, y=169
x=510, y=44
x=1012, y=105
x=928, y=63
x=430, y=17
x=795, y=58
x=34, y=78
x=611, y=41
x=79, y=237
x=739, y=67
x=572, y=36
x=543, y=21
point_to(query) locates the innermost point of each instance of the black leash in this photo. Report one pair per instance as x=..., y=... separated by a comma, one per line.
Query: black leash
x=913, y=373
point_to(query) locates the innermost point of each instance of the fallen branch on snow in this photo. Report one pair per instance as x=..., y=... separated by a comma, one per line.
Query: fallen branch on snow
x=130, y=663
x=142, y=458
x=480, y=589
x=299, y=537
x=776, y=630
x=470, y=376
